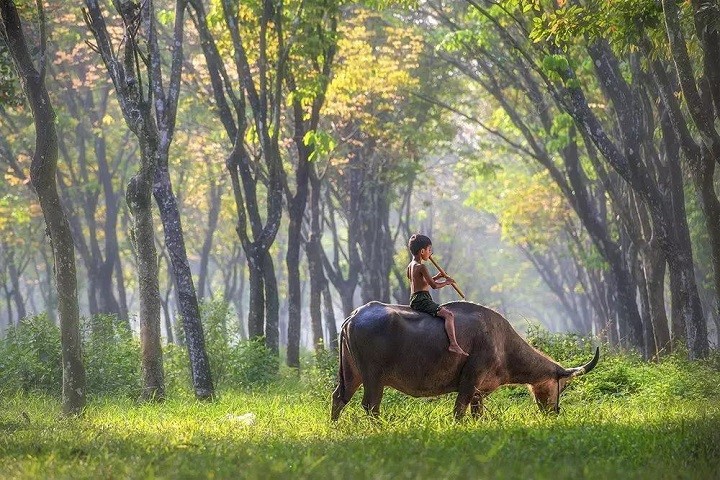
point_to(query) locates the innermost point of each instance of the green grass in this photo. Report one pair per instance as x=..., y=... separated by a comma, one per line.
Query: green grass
x=627, y=419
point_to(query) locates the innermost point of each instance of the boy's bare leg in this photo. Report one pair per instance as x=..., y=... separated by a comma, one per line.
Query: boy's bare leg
x=450, y=329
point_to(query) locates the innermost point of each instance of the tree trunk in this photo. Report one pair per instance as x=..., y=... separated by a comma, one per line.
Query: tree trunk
x=142, y=231
x=655, y=275
x=15, y=281
x=292, y=259
x=330, y=325
x=213, y=217
x=272, y=306
x=256, y=305
x=375, y=242
x=120, y=281
x=316, y=289
x=42, y=175
x=187, y=299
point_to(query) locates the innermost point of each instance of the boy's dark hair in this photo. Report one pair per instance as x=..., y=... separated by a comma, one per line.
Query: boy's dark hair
x=417, y=242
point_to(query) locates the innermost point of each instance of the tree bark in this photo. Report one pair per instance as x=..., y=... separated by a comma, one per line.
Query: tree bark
x=15, y=282
x=330, y=325
x=42, y=175
x=182, y=275
x=213, y=218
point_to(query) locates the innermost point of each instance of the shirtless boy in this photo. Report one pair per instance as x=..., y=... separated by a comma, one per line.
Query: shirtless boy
x=420, y=282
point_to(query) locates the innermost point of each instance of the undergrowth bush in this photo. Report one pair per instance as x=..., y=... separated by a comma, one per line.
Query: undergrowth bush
x=569, y=349
x=30, y=357
x=320, y=370
x=234, y=363
x=112, y=357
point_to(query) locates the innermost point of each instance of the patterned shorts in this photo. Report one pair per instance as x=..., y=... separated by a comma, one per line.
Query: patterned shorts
x=423, y=302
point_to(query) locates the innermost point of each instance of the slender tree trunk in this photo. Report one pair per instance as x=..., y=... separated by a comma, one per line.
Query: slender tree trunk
x=187, y=299
x=106, y=300
x=142, y=232
x=120, y=281
x=42, y=175
x=272, y=306
x=316, y=289
x=329, y=313
x=292, y=260
x=655, y=274
x=15, y=282
x=213, y=217
x=375, y=243
x=256, y=305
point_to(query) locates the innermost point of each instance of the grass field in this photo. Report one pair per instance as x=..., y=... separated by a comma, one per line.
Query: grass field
x=627, y=419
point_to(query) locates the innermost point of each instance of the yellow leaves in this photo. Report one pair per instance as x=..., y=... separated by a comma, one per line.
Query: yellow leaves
x=373, y=73
x=529, y=207
x=12, y=180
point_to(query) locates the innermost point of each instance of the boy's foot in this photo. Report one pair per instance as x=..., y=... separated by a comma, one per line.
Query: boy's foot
x=457, y=349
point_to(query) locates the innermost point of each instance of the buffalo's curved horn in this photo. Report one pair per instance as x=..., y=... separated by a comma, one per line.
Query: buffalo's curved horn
x=577, y=371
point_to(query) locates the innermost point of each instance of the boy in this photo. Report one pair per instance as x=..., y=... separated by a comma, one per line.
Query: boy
x=420, y=282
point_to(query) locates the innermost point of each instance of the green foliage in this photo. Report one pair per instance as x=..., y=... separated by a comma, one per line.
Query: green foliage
x=177, y=370
x=560, y=132
x=112, y=358
x=565, y=348
x=253, y=364
x=233, y=363
x=562, y=26
x=322, y=143
x=625, y=375
x=30, y=358
x=215, y=315
x=320, y=371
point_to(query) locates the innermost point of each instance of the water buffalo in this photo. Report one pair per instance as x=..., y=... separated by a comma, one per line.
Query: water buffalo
x=392, y=345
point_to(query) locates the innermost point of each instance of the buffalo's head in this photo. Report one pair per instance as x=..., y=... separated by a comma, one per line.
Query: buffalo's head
x=547, y=392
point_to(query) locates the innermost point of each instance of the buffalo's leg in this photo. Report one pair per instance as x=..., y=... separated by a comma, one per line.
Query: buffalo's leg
x=349, y=381
x=341, y=396
x=372, y=397
x=476, y=405
x=461, y=403
x=466, y=389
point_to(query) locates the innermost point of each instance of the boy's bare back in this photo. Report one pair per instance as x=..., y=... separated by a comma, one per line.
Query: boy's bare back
x=418, y=275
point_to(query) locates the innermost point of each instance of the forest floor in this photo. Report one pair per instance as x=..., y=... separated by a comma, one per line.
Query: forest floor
x=626, y=419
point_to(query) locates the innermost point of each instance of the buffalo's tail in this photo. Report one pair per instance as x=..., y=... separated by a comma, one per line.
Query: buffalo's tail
x=338, y=396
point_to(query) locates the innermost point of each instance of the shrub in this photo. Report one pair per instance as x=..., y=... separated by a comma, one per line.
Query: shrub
x=251, y=363
x=320, y=370
x=216, y=316
x=112, y=357
x=30, y=356
x=177, y=369
x=568, y=349
x=617, y=376
x=233, y=363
